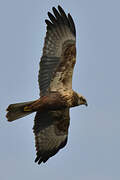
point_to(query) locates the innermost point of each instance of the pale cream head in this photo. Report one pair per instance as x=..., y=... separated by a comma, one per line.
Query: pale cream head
x=82, y=100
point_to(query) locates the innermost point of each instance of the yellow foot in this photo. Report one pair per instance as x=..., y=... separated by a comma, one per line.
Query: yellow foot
x=27, y=108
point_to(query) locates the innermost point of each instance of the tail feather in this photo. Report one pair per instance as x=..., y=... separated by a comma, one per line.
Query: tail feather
x=16, y=111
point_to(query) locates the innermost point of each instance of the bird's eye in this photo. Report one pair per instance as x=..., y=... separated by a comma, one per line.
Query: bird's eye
x=81, y=99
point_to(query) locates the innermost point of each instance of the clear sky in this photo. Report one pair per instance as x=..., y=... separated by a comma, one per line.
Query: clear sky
x=93, y=149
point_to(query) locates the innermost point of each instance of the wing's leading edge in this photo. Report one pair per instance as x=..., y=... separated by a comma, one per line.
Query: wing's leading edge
x=59, y=52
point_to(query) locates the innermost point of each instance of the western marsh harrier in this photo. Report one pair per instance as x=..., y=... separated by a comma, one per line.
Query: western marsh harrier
x=55, y=81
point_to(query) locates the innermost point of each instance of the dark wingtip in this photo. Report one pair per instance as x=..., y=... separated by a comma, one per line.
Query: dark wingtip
x=53, y=8
x=36, y=159
x=72, y=25
x=49, y=24
x=55, y=11
x=52, y=18
x=40, y=160
x=59, y=17
x=59, y=7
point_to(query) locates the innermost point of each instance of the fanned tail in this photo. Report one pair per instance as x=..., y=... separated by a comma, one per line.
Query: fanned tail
x=18, y=110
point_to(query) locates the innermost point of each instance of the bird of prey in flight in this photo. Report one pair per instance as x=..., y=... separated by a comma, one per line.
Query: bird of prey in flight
x=52, y=118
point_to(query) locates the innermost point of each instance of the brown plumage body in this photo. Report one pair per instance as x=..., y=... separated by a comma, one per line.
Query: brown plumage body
x=54, y=101
x=55, y=82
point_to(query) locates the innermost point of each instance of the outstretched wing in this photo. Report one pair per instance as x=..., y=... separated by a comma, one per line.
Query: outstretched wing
x=59, y=53
x=51, y=131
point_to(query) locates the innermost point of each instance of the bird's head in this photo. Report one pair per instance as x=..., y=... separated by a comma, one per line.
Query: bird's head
x=82, y=100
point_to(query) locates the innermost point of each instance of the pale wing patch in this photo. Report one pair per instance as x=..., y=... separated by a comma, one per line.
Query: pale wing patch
x=62, y=78
x=60, y=29
x=46, y=139
x=51, y=131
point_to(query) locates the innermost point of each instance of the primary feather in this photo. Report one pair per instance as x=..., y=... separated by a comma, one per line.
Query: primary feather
x=60, y=37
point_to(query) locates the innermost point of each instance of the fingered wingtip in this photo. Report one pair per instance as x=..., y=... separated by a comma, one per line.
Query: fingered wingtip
x=59, y=7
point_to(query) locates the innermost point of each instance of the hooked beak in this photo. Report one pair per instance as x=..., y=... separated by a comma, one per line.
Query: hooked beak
x=85, y=103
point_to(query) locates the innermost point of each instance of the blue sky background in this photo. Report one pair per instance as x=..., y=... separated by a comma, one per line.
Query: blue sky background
x=93, y=149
